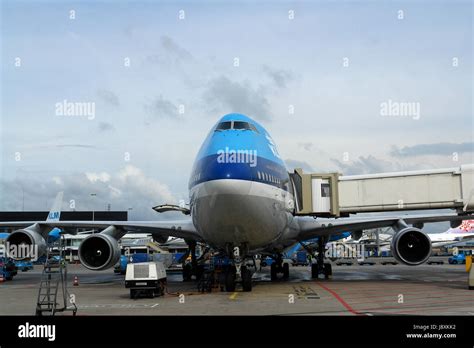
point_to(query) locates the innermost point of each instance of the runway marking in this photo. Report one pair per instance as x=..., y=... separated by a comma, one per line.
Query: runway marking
x=234, y=295
x=339, y=298
x=305, y=292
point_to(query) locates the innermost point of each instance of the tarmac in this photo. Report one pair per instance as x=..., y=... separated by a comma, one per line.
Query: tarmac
x=353, y=290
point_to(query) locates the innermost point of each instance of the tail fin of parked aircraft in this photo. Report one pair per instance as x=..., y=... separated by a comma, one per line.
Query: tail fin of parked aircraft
x=466, y=226
x=55, y=211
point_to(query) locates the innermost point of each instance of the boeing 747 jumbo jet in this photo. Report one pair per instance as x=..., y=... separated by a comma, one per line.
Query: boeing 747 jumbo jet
x=242, y=203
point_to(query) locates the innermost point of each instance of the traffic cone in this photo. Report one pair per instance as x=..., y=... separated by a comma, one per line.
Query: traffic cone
x=1, y=278
x=76, y=281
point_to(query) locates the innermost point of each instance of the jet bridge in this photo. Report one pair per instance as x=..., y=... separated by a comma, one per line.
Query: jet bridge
x=333, y=194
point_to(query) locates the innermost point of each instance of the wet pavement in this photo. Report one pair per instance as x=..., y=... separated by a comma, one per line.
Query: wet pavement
x=353, y=290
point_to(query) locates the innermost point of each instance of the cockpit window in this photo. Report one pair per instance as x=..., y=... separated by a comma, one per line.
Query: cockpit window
x=241, y=125
x=252, y=127
x=224, y=126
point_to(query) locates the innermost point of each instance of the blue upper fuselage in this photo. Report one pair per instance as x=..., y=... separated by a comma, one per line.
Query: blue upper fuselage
x=237, y=147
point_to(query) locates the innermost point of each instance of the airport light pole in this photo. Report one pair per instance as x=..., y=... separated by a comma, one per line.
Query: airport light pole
x=93, y=195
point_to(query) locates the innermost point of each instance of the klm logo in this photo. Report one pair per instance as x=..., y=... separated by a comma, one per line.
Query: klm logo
x=53, y=215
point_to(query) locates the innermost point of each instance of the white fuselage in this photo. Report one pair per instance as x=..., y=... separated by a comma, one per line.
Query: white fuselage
x=446, y=238
x=241, y=213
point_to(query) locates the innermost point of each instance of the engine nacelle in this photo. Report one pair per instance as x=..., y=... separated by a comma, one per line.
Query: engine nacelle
x=411, y=246
x=24, y=244
x=99, y=251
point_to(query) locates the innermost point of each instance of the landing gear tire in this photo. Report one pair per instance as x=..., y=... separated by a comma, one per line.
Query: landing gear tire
x=327, y=270
x=199, y=272
x=221, y=277
x=286, y=270
x=273, y=272
x=230, y=281
x=246, y=279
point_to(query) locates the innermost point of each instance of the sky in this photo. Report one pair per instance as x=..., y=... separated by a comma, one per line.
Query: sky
x=159, y=74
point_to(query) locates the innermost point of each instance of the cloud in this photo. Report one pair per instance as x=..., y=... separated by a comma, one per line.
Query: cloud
x=162, y=108
x=280, y=77
x=174, y=49
x=170, y=53
x=367, y=165
x=308, y=146
x=237, y=97
x=108, y=97
x=83, y=146
x=105, y=127
x=93, y=177
x=127, y=188
x=440, y=149
x=292, y=164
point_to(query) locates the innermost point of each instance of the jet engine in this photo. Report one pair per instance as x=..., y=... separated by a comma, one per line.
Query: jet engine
x=411, y=246
x=26, y=243
x=99, y=251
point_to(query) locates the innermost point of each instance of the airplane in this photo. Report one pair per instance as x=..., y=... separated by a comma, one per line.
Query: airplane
x=242, y=203
x=461, y=233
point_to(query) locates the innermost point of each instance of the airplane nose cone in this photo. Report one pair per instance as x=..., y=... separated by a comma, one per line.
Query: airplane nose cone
x=237, y=212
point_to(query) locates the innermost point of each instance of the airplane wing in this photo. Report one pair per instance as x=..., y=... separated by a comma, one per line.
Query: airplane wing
x=310, y=227
x=181, y=229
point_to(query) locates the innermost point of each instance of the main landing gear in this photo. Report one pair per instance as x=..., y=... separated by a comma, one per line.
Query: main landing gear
x=321, y=267
x=278, y=266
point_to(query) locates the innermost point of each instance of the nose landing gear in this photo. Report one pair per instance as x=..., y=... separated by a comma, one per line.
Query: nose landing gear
x=237, y=273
